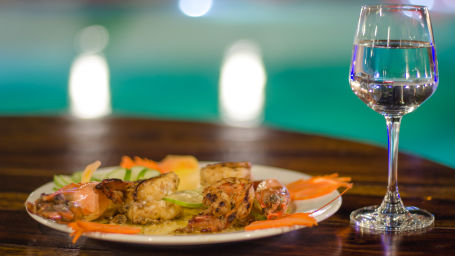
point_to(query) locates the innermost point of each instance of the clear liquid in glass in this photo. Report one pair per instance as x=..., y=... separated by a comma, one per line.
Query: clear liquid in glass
x=393, y=77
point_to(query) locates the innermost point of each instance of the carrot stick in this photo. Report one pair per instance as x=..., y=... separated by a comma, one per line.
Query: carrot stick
x=73, y=225
x=300, y=219
x=331, y=201
x=147, y=163
x=80, y=227
x=107, y=228
x=317, y=186
x=127, y=163
x=76, y=236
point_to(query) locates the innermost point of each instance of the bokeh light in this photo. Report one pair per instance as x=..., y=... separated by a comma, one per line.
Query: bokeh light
x=89, y=89
x=242, y=85
x=92, y=39
x=195, y=8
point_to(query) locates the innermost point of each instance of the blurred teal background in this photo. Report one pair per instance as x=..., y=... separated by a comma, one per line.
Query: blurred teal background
x=162, y=63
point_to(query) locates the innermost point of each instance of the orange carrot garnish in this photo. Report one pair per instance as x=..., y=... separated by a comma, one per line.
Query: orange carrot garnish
x=331, y=201
x=317, y=186
x=127, y=163
x=300, y=219
x=80, y=227
x=147, y=163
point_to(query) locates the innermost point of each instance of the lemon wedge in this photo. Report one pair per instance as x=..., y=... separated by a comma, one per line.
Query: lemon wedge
x=89, y=170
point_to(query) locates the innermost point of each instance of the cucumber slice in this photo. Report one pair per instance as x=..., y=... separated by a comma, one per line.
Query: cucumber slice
x=57, y=181
x=66, y=179
x=76, y=177
x=136, y=170
x=142, y=173
x=186, y=198
x=133, y=174
x=118, y=173
x=98, y=176
x=147, y=174
x=127, y=175
x=62, y=180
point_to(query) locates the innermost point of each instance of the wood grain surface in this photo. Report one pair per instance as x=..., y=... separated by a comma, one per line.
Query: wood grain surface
x=33, y=149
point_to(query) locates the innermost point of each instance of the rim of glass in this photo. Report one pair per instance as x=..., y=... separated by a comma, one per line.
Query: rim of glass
x=408, y=7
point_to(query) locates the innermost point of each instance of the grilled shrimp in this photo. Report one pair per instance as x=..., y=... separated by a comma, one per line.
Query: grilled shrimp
x=76, y=201
x=229, y=202
x=271, y=199
x=144, y=205
x=215, y=172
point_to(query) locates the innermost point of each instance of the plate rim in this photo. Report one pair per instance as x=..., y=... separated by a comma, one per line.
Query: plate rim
x=196, y=239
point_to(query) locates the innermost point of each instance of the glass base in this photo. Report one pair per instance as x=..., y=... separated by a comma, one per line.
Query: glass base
x=412, y=218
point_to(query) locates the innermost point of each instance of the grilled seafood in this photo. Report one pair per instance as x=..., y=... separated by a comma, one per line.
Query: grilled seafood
x=229, y=202
x=76, y=201
x=144, y=205
x=236, y=202
x=232, y=199
x=137, y=202
x=271, y=199
x=215, y=172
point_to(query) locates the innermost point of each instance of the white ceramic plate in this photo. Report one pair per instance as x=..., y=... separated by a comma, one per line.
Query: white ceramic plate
x=259, y=172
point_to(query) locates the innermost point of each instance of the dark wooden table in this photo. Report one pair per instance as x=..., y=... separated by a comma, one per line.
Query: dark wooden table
x=32, y=149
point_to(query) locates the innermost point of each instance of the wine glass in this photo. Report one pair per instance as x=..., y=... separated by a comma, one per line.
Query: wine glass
x=393, y=70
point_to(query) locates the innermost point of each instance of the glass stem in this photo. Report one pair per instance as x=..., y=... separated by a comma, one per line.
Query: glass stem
x=392, y=203
x=393, y=132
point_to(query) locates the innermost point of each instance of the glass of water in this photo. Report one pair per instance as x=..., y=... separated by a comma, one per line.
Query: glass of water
x=393, y=70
